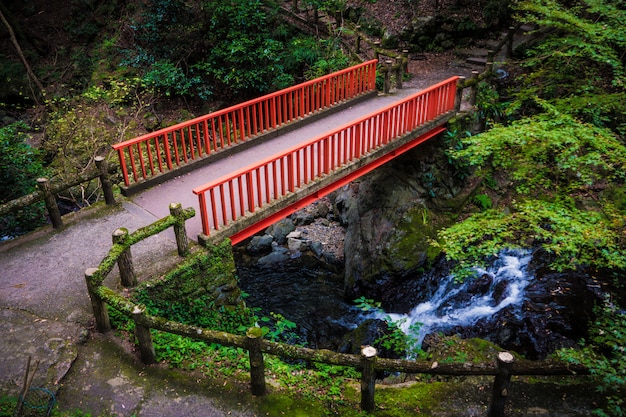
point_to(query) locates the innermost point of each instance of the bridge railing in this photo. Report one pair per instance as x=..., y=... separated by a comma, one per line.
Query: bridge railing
x=166, y=149
x=228, y=198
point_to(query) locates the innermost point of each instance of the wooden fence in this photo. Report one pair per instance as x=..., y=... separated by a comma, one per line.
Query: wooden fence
x=47, y=192
x=503, y=367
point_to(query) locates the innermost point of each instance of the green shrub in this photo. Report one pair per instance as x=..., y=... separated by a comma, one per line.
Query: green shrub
x=20, y=166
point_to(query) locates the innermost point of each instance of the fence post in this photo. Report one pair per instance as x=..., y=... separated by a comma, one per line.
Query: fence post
x=180, y=231
x=358, y=39
x=501, y=384
x=474, y=88
x=399, y=74
x=51, y=202
x=368, y=378
x=107, y=189
x=405, y=60
x=387, y=69
x=459, y=93
x=376, y=50
x=125, y=260
x=144, y=338
x=509, y=43
x=103, y=324
x=257, y=366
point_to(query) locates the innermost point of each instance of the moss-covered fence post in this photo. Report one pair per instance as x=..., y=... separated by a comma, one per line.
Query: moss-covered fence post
x=254, y=337
x=105, y=181
x=501, y=384
x=357, y=46
x=509, y=41
x=176, y=210
x=125, y=260
x=144, y=338
x=368, y=377
x=51, y=202
x=398, y=68
x=474, y=88
x=387, y=70
x=460, y=86
x=405, y=60
x=103, y=324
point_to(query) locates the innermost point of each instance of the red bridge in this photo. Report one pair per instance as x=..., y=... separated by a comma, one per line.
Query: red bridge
x=249, y=165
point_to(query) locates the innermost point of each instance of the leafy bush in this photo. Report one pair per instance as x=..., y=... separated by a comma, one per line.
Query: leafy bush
x=603, y=354
x=20, y=166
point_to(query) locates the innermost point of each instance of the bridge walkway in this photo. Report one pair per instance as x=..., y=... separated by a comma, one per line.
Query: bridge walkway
x=155, y=201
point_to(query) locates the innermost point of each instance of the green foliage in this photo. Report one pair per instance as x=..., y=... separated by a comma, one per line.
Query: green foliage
x=550, y=152
x=20, y=163
x=278, y=329
x=577, y=238
x=603, y=354
x=588, y=39
x=483, y=201
x=20, y=166
x=453, y=140
x=490, y=109
x=401, y=343
x=602, y=110
x=239, y=48
x=201, y=312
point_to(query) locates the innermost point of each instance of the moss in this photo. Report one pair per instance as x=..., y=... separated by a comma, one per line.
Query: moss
x=405, y=401
x=209, y=271
x=414, y=232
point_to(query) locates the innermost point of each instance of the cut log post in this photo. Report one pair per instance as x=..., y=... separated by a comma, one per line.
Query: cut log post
x=144, y=338
x=405, y=60
x=459, y=93
x=501, y=384
x=509, y=43
x=180, y=231
x=368, y=378
x=103, y=324
x=254, y=337
x=358, y=40
x=105, y=180
x=398, y=68
x=51, y=202
x=125, y=260
x=474, y=88
x=387, y=69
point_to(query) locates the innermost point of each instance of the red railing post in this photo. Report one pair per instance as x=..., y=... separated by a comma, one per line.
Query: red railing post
x=120, y=153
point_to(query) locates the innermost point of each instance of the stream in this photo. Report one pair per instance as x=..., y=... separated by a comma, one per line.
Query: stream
x=307, y=293
x=455, y=304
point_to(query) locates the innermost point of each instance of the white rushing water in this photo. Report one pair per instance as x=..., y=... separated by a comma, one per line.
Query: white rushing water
x=463, y=304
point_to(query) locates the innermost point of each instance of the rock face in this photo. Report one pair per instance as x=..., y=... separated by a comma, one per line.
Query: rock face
x=391, y=214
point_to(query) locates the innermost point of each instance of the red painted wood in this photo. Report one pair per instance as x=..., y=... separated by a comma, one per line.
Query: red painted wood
x=334, y=149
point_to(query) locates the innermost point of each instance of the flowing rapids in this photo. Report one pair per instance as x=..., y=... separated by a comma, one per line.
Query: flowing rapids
x=455, y=304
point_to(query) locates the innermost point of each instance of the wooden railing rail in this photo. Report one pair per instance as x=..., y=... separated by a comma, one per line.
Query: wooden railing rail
x=47, y=192
x=228, y=198
x=166, y=149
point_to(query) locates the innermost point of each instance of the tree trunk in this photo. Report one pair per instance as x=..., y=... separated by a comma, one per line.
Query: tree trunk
x=30, y=72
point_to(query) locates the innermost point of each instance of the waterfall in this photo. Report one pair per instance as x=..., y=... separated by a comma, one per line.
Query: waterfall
x=463, y=304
